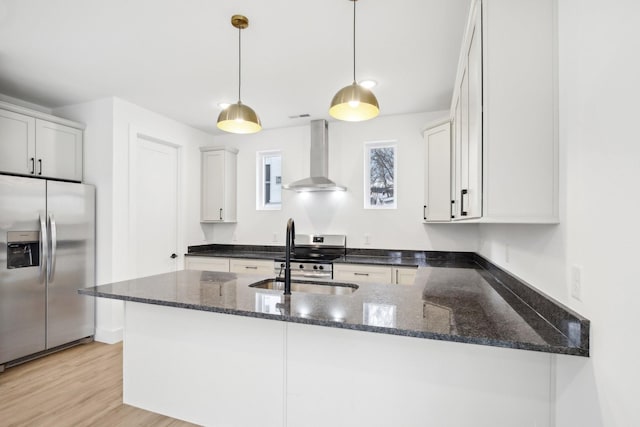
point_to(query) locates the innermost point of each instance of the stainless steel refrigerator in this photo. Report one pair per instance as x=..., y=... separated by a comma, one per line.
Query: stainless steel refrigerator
x=47, y=252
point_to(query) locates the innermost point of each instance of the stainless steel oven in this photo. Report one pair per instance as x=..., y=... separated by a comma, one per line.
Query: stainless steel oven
x=313, y=255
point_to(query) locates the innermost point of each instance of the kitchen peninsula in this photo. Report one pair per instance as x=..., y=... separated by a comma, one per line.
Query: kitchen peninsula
x=209, y=348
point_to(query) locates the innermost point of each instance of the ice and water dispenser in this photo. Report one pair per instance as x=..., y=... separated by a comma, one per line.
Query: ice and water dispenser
x=23, y=249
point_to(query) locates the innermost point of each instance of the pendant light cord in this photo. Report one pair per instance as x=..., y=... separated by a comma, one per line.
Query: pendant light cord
x=239, y=62
x=354, y=40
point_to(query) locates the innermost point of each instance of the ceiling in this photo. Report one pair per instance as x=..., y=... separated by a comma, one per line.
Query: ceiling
x=180, y=57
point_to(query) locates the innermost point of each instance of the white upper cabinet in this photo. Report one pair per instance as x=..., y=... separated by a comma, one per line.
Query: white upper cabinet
x=504, y=165
x=473, y=184
x=37, y=144
x=58, y=151
x=17, y=143
x=466, y=161
x=437, y=198
x=520, y=141
x=219, y=182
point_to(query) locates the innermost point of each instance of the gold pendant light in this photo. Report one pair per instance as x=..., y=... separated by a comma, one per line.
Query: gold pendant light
x=354, y=103
x=239, y=118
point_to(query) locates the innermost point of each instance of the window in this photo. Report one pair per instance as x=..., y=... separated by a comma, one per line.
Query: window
x=269, y=180
x=380, y=171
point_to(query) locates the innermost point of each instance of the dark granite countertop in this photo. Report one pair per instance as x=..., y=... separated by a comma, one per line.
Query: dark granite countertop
x=464, y=299
x=406, y=258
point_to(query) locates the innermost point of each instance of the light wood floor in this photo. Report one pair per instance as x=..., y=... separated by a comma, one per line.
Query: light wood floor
x=80, y=386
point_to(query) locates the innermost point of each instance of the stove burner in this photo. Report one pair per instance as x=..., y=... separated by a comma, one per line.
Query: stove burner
x=313, y=255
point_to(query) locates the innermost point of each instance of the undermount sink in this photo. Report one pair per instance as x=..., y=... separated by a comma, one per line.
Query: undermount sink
x=324, y=288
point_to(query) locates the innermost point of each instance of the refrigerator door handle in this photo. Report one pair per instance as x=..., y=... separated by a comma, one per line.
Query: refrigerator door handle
x=44, y=243
x=52, y=232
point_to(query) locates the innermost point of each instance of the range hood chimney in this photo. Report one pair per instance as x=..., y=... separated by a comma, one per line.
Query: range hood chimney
x=319, y=158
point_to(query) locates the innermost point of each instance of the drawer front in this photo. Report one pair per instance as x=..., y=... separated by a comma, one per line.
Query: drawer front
x=251, y=266
x=362, y=273
x=404, y=275
x=206, y=264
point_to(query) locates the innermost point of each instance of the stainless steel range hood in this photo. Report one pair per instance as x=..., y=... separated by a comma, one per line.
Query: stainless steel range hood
x=319, y=158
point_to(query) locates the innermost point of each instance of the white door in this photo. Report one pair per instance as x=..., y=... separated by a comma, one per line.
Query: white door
x=154, y=207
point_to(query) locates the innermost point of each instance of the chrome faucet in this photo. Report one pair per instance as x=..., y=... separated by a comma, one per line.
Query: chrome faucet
x=290, y=245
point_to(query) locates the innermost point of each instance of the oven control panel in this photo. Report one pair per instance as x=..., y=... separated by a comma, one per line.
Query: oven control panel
x=306, y=269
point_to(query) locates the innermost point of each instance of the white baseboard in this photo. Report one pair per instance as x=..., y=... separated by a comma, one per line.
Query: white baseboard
x=108, y=336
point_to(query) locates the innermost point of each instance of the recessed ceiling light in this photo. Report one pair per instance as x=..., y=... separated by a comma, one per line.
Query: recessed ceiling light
x=223, y=105
x=368, y=83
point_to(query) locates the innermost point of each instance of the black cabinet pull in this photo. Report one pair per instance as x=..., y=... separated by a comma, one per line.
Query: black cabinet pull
x=453, y=209
x=174, y=256
x=39, y=166
x=424, y=212
x=220, y=214
x=462, y=194
x=33, y=165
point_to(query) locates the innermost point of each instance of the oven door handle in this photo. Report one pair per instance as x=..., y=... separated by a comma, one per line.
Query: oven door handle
x=316, y=275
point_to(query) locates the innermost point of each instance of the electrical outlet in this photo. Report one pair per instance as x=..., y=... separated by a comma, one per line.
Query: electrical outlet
x=367, y=239
x=576, y=282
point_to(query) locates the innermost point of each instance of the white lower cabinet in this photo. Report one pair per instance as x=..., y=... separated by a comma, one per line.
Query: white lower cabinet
x=362, y=273
x=206, y=264
x=374, y=274
x=404, y=275
x=251, y=266
x=341, y=272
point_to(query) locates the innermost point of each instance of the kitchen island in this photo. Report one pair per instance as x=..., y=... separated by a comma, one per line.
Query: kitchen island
x=209, y=348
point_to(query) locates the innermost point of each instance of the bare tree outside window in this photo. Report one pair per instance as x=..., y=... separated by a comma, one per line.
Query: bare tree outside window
x=380, y=175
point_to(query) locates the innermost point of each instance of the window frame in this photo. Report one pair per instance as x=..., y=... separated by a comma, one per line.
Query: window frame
x=369, y=146
x=261, y=182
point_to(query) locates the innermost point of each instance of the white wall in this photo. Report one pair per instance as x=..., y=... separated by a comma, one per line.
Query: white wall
x=600, y=174
x=128, y=116
x=106, y=150
x=98, y=170
x=340, y=212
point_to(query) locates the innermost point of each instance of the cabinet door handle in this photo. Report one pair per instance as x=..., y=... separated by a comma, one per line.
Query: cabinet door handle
x=39, y=166
x=220, y=214
x=462, y=194
x=33, y=166
x=173, y=256
x=397, y=276
x=361, y=274
x=251, y=267
x=424, y=212
x=453, y=209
